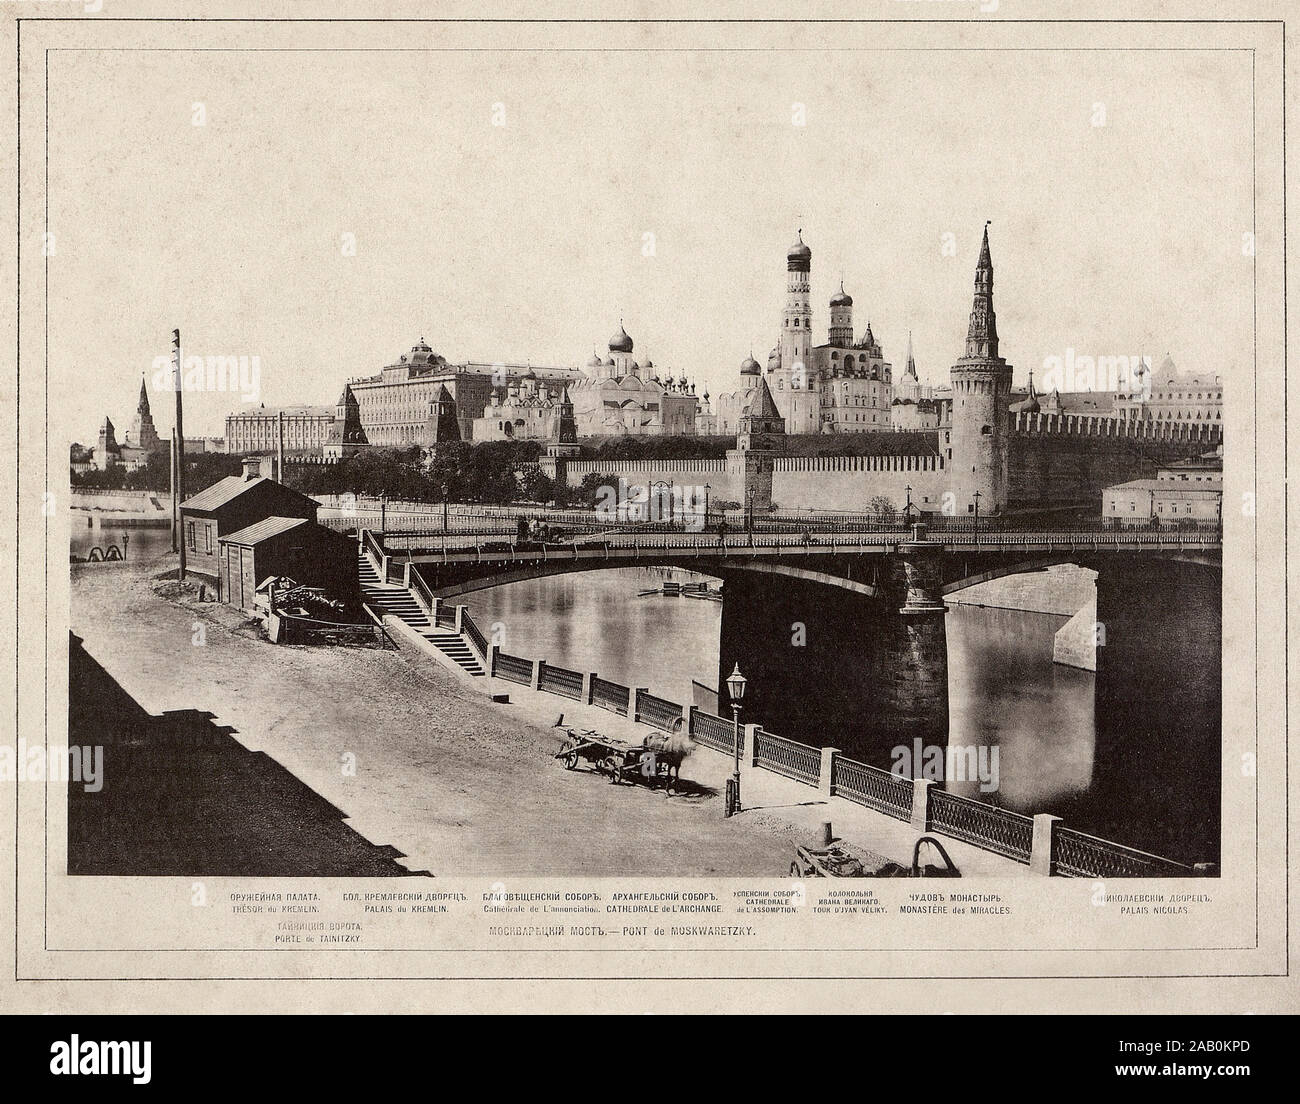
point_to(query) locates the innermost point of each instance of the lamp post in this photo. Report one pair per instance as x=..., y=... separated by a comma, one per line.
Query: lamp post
x=383, y=512
x=126, y=540
x=977, y=496
x=736, y=688
x=706, y=507
x=444, y=511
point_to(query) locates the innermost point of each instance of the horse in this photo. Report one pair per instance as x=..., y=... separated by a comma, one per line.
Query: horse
x=670, y=748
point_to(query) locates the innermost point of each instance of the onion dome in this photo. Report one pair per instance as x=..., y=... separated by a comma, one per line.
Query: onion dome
x=595, y=361
x=774, y=359
x=649, y=364
x=620, y=342
x=798, y=257
x=749, y=366
x=842, y=298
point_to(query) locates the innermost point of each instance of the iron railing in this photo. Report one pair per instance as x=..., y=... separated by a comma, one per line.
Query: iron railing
x=1007, y=833
x=658, y=711
x=1079, y=855
x=474, y=634
x=870, y=786
x=794, y=760
x=561, y=681
x=713, y=732
x=421, y=590
x=609, y=695
x=514, y=668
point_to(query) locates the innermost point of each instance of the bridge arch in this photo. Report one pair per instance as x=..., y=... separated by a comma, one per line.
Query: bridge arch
x=713, y=567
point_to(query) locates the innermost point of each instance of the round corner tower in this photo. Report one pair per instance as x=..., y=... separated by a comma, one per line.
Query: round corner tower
x=981, y=390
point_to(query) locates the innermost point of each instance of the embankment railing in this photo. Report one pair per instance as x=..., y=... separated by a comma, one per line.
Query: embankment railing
x=788, y=757
x=870, y=786
x=987, y=826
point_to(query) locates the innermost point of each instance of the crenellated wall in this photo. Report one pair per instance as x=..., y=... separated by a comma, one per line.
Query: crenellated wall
x=726, y=483
x=849, y=483
x=1055, y=459
x=1095, y=426
x=1052, y=459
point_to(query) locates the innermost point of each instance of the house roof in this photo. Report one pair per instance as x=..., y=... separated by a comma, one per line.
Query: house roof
x=1170, y=486
x=262, y=530
x=227, y=490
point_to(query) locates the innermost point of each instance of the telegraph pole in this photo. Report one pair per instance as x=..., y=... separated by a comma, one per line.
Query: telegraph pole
x=178, y=452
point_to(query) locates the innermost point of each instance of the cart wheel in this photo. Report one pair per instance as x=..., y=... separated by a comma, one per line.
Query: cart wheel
x=616, y=775
x=571, y=761
x=670, y=785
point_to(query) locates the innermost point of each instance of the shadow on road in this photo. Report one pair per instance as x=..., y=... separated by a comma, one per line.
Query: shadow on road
x=181, y=796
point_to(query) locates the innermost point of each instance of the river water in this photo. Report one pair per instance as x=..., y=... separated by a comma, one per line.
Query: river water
x=1005, y=692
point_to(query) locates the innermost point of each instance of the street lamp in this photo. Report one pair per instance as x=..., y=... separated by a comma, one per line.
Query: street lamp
x=383, y=511
x=126, y=541
x=977, y=497
x=736, y=688
x=706, y=507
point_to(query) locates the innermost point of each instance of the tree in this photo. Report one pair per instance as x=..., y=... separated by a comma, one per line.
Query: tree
x=882, y=509
x=535, y=485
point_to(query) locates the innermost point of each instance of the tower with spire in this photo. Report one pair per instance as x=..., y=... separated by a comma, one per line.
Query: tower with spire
x=106, y=451
x=443, y=426
x=981, y=389
x=143, y=434
x=563, y=445
x=346, y=435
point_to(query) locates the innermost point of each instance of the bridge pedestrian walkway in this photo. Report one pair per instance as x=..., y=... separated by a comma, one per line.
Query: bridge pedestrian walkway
x=767, y=797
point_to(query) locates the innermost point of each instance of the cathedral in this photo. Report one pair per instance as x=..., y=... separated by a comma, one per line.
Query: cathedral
x=841, y=386
x=617, y=396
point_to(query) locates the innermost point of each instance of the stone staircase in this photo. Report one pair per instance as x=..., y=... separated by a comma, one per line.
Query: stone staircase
x=391, y=598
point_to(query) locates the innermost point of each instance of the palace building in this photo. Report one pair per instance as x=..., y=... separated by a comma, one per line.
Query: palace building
x=394, y=406
x=306, y=428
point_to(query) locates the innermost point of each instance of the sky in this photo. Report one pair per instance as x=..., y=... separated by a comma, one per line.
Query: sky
x=527, y=241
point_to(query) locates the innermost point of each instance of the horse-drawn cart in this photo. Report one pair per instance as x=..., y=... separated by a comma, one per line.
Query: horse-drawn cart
x=655, y=761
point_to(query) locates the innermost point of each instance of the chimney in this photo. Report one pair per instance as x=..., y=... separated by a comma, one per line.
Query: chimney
x=252, y=468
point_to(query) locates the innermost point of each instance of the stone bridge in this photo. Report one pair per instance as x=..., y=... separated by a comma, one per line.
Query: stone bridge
x=842, y=633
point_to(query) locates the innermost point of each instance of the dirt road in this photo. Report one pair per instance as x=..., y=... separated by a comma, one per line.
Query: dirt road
x=455, y=784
